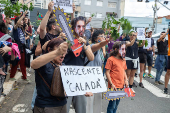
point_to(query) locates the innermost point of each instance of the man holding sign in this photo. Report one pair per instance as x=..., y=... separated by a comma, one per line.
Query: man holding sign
x=78, y=27
x=150, y=54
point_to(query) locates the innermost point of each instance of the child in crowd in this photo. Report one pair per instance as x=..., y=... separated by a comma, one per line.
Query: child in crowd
x=115, y=72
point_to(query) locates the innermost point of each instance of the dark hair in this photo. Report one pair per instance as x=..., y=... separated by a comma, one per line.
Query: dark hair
x=28, y=21
x=16, y=19
x=51, y=15
x=75, y=20
x=24, y=26
x=54, y=42
x=3, y=27
x=116, y=45
x=96, y=34
x=162, y=32
x=50, y=23
x=1, y=17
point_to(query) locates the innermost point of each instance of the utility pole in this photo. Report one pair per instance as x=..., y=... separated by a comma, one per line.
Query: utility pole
x=155, y=9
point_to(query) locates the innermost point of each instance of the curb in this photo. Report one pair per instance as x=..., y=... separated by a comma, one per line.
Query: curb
x=8, y=86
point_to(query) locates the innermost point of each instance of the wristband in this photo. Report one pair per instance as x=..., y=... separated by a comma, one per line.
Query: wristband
x=86, y=49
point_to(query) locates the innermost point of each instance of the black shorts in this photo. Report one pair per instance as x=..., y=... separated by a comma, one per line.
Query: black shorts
x=168, y=67
x=149, y=59
x=130, y=64
x=142, y=57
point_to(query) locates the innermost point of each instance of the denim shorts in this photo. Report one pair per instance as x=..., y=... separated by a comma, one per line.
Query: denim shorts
x=149, y=59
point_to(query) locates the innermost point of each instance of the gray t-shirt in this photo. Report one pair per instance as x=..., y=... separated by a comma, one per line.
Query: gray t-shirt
x=98, y=59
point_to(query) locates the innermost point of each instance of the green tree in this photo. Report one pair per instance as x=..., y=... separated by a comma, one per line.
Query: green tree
x=11, y=10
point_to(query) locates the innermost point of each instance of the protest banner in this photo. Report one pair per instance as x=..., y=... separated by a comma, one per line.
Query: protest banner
x=149, y=44
x=77, y=80
x=141, y=33
x=65, y=4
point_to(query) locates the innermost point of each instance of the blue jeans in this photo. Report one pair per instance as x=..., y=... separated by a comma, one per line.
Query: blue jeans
x=112, y=106
x=33, y=98
x=104, y=70
x=159, y=72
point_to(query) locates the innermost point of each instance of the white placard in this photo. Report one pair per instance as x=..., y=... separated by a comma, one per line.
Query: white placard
x=141, y=33
x=88, y=26
x=78, y=80
x=65, y=4
x=149, y=43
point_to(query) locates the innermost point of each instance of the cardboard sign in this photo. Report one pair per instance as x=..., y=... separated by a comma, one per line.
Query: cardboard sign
x=141, y=33
x=149, y=43
x=77, y=80
x=64, y=4
x=65, y=27
x=119, y=94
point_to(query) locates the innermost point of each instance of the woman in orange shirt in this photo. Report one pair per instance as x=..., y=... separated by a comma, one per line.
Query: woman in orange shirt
x=115, y=72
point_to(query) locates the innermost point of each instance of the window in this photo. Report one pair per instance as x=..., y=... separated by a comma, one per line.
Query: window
x=99, y=3
x=99, y=15
x=87, y=14
x=112, y=4
x=87, y=2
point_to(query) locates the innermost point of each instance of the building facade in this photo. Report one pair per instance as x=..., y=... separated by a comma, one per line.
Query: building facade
x=100, y=8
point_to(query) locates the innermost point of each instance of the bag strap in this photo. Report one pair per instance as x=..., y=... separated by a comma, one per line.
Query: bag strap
x=5, y=37
x=54, y=65
x=89, y=60
x=43, y=79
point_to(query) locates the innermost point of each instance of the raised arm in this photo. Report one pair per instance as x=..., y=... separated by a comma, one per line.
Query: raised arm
x=38, y=49
x=46, y=58
x=89, y=20
x=97, y=46
x=131, y=43
x=19, y=21
x=74, y=9
x=163, y=36
x=45, y=20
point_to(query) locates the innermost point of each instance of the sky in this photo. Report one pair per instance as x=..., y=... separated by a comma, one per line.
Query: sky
x=142, y=9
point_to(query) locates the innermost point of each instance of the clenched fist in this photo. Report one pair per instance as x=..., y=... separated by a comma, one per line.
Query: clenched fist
x=62, y=48
x=50, y=6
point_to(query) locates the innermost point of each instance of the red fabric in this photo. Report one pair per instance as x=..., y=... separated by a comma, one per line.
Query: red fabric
x=22, y=67
x=30, y=29
x=2, y=34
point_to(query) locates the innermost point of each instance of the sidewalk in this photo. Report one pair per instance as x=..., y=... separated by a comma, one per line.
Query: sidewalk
x=8, y=86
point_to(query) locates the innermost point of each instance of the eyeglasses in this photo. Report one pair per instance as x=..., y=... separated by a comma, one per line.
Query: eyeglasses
x=102, y=36
x=133, y=35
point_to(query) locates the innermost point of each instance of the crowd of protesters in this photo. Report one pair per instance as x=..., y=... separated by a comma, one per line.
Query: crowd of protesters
x=50, y=50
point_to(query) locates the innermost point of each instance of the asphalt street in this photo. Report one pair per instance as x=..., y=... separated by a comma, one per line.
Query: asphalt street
x=147, y=100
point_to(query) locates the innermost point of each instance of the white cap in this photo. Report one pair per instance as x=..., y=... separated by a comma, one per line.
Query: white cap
x=148, y=30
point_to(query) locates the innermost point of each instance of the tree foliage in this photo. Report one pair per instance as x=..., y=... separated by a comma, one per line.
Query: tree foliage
x=11, y=10
x=111, y=23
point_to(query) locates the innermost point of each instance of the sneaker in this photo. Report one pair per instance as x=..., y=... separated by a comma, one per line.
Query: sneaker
x=144, y=75
x=156, y=83
x=3, y=94
x=151, y=76
x=166, y=90
x=161, y=83
x=12, y=79
x=133, y=90
x=27, y=80
x=141, y=85
x=134, y=85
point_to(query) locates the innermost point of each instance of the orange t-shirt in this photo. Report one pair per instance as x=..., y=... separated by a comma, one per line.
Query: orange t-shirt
x=117, y=69
x=168, y=45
